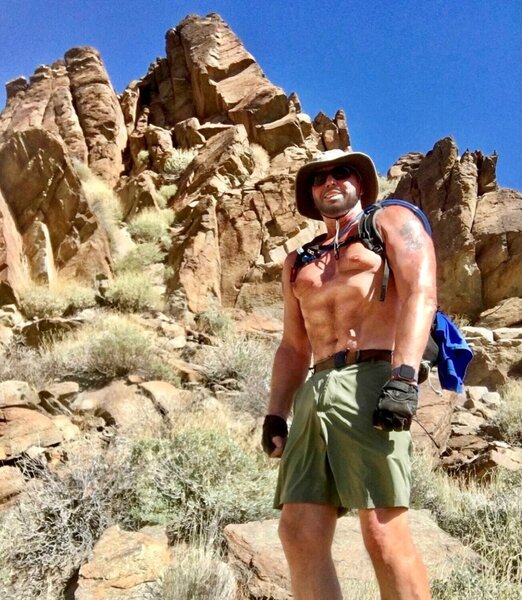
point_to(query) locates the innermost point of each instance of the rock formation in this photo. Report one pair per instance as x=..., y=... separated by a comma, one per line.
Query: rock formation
x=477, y=227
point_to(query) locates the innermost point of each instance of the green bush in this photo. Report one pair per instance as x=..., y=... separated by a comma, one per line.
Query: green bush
x=151, y=225
x=178, y=161
x=143, y=158
x=140, y=257
x=93, y=354
x=198, y=481
x=130, y=291
x=51, y=531
x=39, y=301
x=166, y=192
x=215, y=322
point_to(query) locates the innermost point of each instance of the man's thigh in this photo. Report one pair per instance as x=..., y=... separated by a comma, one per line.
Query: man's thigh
x=308, y=522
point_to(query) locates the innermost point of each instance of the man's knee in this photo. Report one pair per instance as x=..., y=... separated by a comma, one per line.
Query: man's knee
x=386, y=533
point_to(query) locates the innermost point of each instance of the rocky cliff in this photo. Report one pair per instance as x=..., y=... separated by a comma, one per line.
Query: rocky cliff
x=235, y=219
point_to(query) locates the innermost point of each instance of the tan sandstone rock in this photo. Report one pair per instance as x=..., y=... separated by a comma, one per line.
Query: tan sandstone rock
x=98, y=110
x=12, y=482
x=121, y=565
x=21, y=428
x=17, y=393
x=40, y=187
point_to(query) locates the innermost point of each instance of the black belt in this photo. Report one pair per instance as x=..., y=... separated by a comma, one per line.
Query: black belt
x=351, y=357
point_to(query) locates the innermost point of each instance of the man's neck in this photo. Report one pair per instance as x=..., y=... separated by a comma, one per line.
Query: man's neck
x=344, y=220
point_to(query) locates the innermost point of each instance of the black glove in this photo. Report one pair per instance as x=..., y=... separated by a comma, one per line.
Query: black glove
x=396, y=406
x=273, y=425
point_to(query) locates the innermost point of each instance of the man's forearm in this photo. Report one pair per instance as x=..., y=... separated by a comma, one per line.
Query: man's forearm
x=288, y=373
x=413, y=328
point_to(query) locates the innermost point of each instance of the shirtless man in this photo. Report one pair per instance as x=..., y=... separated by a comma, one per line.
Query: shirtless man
x=349, y=445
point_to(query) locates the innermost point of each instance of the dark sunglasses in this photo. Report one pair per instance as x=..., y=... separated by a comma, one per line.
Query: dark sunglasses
x=338, y=173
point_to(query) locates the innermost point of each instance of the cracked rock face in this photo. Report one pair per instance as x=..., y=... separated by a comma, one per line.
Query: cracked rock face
x=477, y=228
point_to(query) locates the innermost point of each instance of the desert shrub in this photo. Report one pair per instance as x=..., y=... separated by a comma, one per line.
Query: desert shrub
x=143, y=157
x=38, y=301
x=93, y=354
x=178, y=161
x=78, y=297
x=261, y=161
x=140, y=257
x=198, y=481
x=166, y=192
x=244, y=364
x=465, y=582
x=509, y=415
x=215, y=322
x=485, y=516
x=51, y=531
x=151, y=225
x=102, y=200
x=132, y=291
x=199, y=573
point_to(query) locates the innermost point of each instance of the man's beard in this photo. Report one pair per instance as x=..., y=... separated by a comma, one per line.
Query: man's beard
x=338, y=208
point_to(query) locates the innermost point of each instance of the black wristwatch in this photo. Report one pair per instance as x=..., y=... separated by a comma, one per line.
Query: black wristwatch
x=405, y=373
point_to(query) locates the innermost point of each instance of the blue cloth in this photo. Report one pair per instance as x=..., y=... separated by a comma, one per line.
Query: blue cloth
x=454, y=353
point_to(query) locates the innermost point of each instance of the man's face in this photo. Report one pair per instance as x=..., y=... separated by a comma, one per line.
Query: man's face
x=336, y=190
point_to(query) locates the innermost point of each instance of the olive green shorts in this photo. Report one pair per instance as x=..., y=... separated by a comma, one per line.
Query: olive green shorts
x=333, y=454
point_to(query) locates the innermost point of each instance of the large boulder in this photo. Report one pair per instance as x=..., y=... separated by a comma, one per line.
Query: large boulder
x=21, y=428
x=122, y=565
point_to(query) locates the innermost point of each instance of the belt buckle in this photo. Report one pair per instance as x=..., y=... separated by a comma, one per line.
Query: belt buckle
x=340, y=359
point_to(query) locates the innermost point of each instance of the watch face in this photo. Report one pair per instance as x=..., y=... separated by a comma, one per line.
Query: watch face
x=405, y=372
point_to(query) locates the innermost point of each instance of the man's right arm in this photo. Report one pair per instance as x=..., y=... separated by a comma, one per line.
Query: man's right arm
x=292, y=358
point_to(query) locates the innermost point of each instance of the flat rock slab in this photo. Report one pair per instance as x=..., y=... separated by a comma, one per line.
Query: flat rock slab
x=256, y=546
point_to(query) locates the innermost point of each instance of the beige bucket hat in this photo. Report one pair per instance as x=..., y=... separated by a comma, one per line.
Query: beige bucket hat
x=362, y=163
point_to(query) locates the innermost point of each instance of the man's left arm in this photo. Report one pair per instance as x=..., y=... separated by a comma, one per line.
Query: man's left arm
x=411, y=257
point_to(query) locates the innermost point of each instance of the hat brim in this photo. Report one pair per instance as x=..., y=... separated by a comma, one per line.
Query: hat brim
x=362, y=163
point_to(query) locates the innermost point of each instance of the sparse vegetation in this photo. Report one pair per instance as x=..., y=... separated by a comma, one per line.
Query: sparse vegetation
x=166, y=192
x=215, y=322
x=179, y=161
x=102, y=200
x=244, y=364
x=151, y=225
x=140, y=257
x=111, y=347
x=200, y=573
x=39, y=301
x=143, y=158
x=133, y=291
x=487, y=517
x=45, y=537
x=195, y=491
x=509, y=415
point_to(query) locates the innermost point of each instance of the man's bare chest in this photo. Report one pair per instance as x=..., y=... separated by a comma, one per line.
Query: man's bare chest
x=356, y=267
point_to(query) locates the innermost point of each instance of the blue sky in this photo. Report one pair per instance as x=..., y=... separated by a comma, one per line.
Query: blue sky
x=406, y=72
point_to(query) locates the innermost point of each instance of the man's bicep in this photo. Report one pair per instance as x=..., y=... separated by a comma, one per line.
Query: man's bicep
x=409, y=250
